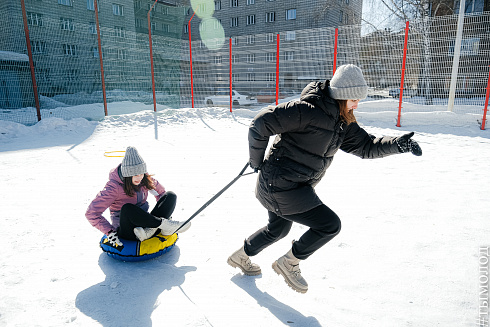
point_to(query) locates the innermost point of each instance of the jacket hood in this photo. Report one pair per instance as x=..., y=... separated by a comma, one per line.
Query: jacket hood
x=115, y=175
x=317, y=93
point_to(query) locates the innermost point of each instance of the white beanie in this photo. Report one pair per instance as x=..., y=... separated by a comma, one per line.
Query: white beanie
x=348, y=83
x=132, y=163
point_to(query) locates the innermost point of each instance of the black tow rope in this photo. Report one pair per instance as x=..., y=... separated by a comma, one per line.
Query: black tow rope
x=215, y=197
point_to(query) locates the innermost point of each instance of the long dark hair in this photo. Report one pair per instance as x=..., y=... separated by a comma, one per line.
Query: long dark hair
x=130, y=189
x=346, y=115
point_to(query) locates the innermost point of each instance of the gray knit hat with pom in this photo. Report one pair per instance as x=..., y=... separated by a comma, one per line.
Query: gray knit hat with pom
x=132, y=163
x=348, y=83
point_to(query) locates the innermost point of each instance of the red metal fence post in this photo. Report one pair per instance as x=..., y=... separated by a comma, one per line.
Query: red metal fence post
x=151, y=58
x=486, y=103
x=403, y=75
x=100, y=56
x=31, y=61
x=335, y=51
x=231, y=82
x=190, y=59
x=277, y=68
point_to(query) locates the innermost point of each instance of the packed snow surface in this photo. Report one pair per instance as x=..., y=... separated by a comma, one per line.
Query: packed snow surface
x=408, y=253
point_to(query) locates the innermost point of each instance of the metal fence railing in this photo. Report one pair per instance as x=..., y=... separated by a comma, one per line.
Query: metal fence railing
x=67, y=65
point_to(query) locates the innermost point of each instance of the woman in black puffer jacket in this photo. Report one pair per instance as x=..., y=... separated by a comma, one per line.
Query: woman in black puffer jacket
x=308, y=133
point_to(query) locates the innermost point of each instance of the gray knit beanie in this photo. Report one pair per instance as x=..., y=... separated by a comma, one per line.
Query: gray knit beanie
x=132, y=163
x=348, y=83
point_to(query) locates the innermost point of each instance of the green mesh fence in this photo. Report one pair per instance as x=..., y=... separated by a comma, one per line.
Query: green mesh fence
x=64, y=43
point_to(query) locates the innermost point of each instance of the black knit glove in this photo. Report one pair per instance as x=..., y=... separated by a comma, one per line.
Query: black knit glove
x=114, y=239
x=406, y=144
x=254, y=167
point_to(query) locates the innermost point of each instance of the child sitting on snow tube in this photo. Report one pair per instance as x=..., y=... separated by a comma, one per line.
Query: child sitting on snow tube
x=125, y=195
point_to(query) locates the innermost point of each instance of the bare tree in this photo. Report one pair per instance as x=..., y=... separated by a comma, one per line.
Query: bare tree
x=418, y=12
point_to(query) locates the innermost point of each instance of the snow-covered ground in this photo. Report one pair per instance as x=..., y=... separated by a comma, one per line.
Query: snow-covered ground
x=408, y=253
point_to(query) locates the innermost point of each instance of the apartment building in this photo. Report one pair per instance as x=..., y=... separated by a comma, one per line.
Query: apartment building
x=65, y=46
x=252, y=26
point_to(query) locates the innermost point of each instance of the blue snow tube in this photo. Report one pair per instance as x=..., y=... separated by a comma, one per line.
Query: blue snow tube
x=139, y=251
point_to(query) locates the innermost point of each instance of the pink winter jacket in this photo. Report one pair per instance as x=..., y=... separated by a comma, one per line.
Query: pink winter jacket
x=113, y=197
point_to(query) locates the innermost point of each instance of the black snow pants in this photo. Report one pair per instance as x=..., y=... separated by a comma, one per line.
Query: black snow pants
x=132, y=216
x=323, y=222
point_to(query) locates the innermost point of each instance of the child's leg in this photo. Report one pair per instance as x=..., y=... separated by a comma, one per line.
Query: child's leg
x=132, y=216
x=165, y=206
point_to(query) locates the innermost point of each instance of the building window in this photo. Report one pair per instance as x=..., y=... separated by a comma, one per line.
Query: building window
x=251, y=20
x=250, y=2
x=290, y=14
x=122, y=54
x=217, y=5
x=269, y=37
x=95, y=52
x=218, y=60
x=235, y=77
x=119, y=31
x=290, y=35
x=38, y=47
x=64, y=2
x=270, y=77
x=203, y=27
x=251, y=39
x=186, y=29
x=139, y=23
x=153, y=26
x=92, y=28
x=234, y=40
x=165, y=11
x=250, y=58
x=117, y=10
x=234, y=59
x=233, y=3
x=270, y=17
x=234, y=22
x=270, y=56
x=341, y=16
x=137, y=4
x=70, y=49
x=470, y=6
x=166, y=28
x=201, y=9
x=66, y=24
x=34, y=19
x=250, y=77
x=91, y=5
x=469, y=47
x=217, y=24
x=289, y=55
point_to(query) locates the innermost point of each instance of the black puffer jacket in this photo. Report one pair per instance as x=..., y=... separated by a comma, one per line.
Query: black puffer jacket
x=309, y=133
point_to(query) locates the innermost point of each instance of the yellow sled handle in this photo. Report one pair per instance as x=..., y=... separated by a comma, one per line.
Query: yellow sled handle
x=110, y=154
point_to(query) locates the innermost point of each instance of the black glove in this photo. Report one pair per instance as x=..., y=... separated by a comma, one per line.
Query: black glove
x=114, y=239
x=406, y=144
x=255, y=168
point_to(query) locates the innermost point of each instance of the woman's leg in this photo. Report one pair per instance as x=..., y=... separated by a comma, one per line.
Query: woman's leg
x=276, y=229
x=132, y=216
x=165, y=206
x=324, y=225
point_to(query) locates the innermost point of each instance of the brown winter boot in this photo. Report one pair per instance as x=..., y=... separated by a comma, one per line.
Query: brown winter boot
x=288, y=267
x=239, y=259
